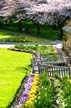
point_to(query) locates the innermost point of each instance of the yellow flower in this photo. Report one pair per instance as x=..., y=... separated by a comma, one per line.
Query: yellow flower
x=54, y=49
x=28, y=103
x=36, y=75
x=32, y=97
x=69, y=80
x=34, y=83
x=32, y=92
x=34, y=87
x=36, y=79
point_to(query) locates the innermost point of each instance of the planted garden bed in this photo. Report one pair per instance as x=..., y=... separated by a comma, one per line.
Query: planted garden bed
x=38, y=48
x=40, y=91
x=37, y=93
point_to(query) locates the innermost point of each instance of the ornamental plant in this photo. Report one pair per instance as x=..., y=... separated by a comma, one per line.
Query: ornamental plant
x=27, y=88
x=38, y=48
x=67, y=91
x=55, y=12
x=59, y=94
x=32, y=93
x=44, y=96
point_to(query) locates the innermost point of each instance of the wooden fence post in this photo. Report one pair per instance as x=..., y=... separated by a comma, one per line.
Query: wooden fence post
x=69, y=72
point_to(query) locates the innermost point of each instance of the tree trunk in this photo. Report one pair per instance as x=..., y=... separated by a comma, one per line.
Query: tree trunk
x=54, y=27
x=60, y=33
x=20, y=25
x=61, y=23
x=38, y=28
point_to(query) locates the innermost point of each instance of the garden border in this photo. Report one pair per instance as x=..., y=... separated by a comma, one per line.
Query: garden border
x=11, y=103
x=38, y=60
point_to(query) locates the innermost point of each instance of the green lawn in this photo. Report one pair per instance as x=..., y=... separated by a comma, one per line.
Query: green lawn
x=46, y=31
x=6, y=36
x=13, y=67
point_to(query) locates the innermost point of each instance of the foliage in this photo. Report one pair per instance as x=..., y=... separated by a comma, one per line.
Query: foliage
x=68, y=45
x=13, y=68
x=18, y=37
x=67, y=91
x=59, y=94
x=53, y=12
x=7, y=8
x=50, y=57
x=42, y=49
x=46, y=32
x=44, y=96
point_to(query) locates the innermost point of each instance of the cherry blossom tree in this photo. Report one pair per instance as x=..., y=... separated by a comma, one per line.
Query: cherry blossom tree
x=7, y=8
x=53, y=12
x=13, y=9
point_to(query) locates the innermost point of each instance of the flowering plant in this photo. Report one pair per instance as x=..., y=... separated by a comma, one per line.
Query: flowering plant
x=29, y=94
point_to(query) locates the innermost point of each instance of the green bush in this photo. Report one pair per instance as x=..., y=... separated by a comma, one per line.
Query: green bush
x=67, y=92
x=38, y=48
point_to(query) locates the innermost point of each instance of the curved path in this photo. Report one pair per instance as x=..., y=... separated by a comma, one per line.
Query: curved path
x=6, y=45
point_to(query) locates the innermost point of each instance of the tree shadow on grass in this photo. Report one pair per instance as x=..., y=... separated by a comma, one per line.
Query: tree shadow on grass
x=23, y=69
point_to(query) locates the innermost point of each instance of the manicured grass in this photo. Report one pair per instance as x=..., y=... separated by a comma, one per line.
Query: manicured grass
x=13, y=68
x=47, y=32
x=6, y=36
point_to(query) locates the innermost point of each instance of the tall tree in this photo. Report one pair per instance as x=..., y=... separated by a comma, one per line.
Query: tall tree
x=53, y=12
x=15, y=8
x=7, y=8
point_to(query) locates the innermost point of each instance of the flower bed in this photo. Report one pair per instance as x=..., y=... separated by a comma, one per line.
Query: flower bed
x=67, y=91
x=62, y=92
x=37, y=92
x=44, y=97
x=42, y=92
x=38, y=48
x=30, y=90
x=58, y=94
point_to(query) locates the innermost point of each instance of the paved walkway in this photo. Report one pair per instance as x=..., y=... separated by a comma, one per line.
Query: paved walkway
x=58, y=45
x=6, y=45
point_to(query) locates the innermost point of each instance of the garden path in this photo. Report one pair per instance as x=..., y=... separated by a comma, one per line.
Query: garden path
x=6, y=45
x=57, y=44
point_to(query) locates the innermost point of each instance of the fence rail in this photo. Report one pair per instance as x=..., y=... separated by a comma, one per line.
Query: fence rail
x=51, y=58
x=60, y=71
x=59, y=68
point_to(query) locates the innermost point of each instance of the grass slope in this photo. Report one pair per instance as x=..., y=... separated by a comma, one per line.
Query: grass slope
x=6, y=36
x=46, y=31
x=13, y=67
